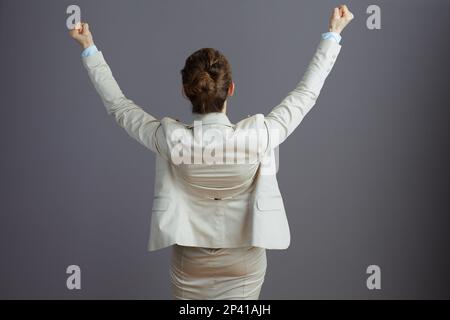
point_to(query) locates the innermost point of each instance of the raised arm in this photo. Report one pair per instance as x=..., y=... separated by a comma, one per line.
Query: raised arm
x=285, y=117
x=138, y=123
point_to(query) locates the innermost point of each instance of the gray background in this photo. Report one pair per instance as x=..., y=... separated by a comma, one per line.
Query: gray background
x=364, y=177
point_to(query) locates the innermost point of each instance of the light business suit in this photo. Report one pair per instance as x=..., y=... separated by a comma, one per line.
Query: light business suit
x=219, y=205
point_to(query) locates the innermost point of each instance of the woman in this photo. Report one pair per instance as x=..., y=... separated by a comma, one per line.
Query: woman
x=216, y=201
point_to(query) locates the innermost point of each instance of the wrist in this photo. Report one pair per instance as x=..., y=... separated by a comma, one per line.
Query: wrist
x=87, y=44
x=335, y=30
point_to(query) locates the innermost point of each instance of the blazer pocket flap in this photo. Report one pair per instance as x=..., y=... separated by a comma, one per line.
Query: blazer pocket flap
x=160, y=204
x=269, y=203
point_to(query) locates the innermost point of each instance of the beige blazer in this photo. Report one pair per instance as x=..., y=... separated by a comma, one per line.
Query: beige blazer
x=218, y=204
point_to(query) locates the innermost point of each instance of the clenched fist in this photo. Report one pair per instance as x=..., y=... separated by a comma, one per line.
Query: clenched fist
x=82, y=35
x=340, y=18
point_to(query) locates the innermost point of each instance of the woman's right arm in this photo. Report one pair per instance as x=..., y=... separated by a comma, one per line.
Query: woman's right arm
x=285, y=117
x=139, y=124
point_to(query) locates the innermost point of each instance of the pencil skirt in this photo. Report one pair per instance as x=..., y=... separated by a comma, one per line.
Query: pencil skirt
x=199, y=273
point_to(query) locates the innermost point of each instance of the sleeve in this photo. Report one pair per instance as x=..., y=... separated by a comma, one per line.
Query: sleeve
x=285, y=117
x=139, y=124
x=332, y=35
x=89, y=51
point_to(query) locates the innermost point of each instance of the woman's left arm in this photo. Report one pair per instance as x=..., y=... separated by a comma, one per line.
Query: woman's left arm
x=138, y=123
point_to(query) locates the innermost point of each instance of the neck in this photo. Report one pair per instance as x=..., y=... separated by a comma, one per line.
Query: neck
x=224, y=110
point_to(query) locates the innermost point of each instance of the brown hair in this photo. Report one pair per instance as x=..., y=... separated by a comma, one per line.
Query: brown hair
x=206, y=79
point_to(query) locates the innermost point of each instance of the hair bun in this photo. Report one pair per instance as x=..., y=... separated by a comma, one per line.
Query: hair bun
x=204, y=82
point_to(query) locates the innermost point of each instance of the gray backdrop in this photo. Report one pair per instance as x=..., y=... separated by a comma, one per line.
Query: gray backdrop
x=364, y=177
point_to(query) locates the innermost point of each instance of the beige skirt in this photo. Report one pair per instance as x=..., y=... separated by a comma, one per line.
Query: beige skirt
x=227, y=273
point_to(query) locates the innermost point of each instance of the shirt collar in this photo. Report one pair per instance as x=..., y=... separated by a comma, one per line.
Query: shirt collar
x=211, y=118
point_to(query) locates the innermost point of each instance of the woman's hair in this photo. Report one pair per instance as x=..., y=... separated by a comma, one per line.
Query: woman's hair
x=206, y=79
